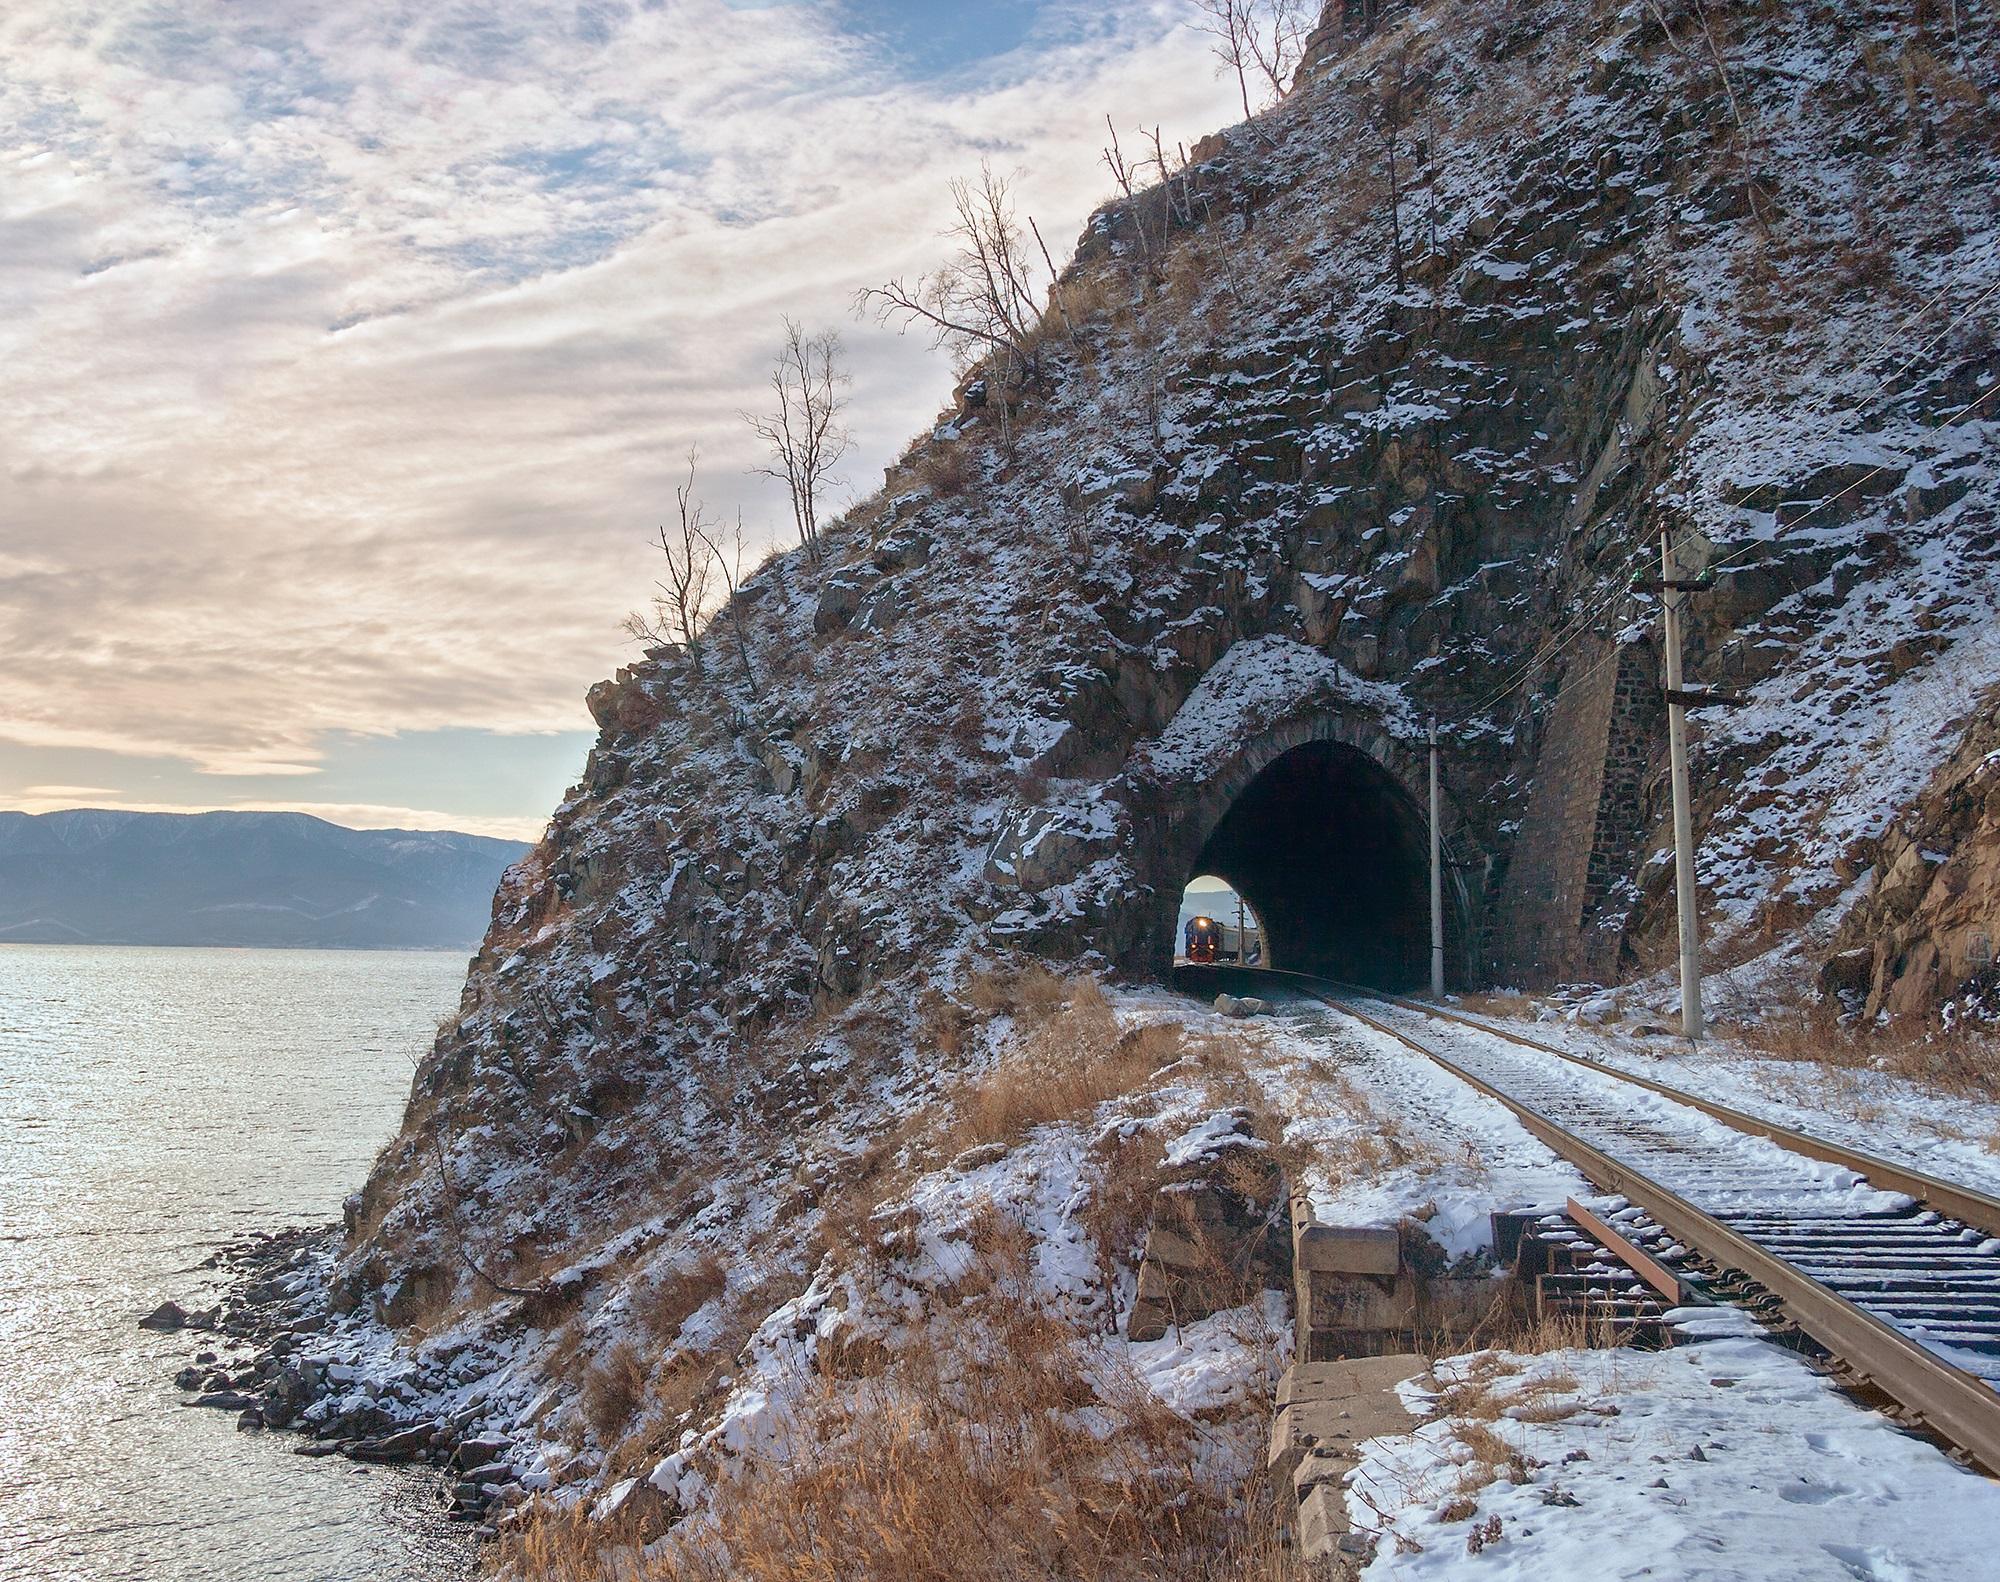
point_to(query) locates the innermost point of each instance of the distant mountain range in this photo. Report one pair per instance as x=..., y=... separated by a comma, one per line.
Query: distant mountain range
x=275, y=879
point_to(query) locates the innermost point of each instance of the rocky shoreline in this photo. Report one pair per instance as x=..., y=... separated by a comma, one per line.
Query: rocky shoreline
x=274, y=1352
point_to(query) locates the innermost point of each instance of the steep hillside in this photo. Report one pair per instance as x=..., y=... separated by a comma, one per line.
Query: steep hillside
x=1373, y=415
x=113, y=878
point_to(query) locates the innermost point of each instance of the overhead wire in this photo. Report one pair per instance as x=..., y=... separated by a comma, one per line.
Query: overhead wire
x=1574, y=628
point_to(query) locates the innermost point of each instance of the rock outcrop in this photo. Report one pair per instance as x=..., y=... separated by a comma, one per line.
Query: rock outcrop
x=1925, y=934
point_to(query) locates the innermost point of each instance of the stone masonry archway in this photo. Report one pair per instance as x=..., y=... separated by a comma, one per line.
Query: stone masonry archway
x=1328, y=842
x=1307, y=792
x=1335, y=859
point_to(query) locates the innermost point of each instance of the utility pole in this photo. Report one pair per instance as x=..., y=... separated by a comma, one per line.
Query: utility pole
x=1242, y=938
x=1672, y=600
x=1437, y=877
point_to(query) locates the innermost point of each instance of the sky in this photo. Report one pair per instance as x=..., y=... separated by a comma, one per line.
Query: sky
x=349, y=348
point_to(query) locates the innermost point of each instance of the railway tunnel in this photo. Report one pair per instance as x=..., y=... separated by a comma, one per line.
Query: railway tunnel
x=1332, y=853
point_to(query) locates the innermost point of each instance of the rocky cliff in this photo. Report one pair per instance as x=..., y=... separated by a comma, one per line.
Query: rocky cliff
x=1374, y=414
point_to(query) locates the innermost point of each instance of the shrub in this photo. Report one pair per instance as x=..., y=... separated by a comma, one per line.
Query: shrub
x=672, y=1298
x=612, y=1390
x=944, y=469
x=1074, y=1059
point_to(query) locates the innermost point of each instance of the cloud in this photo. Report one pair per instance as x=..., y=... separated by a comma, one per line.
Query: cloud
x=66, y=796
x=346, y=353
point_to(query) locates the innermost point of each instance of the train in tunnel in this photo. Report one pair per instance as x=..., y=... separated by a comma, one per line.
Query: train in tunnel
x=1331, y=854
x=1211, y=941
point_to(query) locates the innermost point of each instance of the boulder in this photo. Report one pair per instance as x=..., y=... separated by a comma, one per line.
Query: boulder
x=634, y=1503
x=880, y=610
x=481, y=1450
x=624, y=706
x=904, y=551
x=404, y=1445
x=839, y=598
x=1038, y=848
x=225, y=1400
x=1849, y=972
x=167, y=1317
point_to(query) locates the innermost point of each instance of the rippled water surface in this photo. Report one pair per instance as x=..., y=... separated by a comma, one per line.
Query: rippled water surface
x=153, y=1104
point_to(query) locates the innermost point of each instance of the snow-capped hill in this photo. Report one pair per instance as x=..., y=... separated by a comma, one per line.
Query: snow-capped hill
x=102, y=876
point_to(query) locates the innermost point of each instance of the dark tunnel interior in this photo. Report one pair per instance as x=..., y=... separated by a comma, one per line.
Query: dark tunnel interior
x=1334, y=856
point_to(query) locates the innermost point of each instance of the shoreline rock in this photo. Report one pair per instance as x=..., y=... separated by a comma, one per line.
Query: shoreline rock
x=298, y=1370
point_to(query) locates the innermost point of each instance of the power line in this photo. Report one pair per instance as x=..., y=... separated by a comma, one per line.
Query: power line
x=1573, y=629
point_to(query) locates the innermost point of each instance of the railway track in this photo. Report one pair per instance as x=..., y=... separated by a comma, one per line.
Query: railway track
x=1894, y=1273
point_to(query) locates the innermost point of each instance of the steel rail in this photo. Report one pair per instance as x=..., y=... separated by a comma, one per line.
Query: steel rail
x=1949, y=1401
x=1961, y=1203
x=1966, y=1205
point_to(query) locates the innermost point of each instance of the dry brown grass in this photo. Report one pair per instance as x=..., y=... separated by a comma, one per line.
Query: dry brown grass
x=1125, y=1175
x=1097, y=293
x=961, y=1461
x=1495, y=1390
x=1026, y=992
x=1073, y=1059
x=670, y=1299
x=613, y=1388
x=1507, y=1003
x=945, y=469
x=1376, y=1143
x=1798, y=1024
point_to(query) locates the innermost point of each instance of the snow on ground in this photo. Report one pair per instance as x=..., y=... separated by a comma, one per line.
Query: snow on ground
x=1715, y=1461
x=1956, y=1139
x=1220, y=1368
x=1707, y=1161
x=1455, y=1155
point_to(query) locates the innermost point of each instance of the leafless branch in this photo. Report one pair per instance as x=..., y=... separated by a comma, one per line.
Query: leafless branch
x=982, y=300
x=803, y=432
x=680, y=600
x=729, y=554
x=1258, y=40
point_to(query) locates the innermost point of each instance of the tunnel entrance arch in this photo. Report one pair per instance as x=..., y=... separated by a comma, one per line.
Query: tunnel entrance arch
x=1335, y=859
x=1321, y=824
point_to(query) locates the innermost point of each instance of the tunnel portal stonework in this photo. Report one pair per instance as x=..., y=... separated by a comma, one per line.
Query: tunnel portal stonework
x=1229, y=787
x=1305, y=786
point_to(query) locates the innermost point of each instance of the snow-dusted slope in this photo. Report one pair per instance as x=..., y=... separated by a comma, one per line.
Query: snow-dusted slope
x=1383, y=453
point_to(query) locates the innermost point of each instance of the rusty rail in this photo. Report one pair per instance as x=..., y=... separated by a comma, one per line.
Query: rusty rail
x=1961, y=1203
x=1947, y=1400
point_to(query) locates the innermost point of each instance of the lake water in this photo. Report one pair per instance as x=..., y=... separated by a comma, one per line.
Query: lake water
x=153, y=1105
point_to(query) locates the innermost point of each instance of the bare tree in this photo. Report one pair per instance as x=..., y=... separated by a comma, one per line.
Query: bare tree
x=1278, y=41
x=1746, y=135
x=729, y=552
x=982, y=300
x=804, y=433
x=1128, y=176
x=1228, y=23
x=1388, y=112
x=680, y=600
x=1259, y=41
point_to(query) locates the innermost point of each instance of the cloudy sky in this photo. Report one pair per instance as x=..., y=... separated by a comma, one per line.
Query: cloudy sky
x=348, y=347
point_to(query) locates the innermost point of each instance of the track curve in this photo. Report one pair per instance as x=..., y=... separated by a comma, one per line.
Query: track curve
x=1895, y=1273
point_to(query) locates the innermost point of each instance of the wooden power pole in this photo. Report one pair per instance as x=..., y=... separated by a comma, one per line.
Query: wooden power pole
x=1673, y=597
x=1437, y=879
